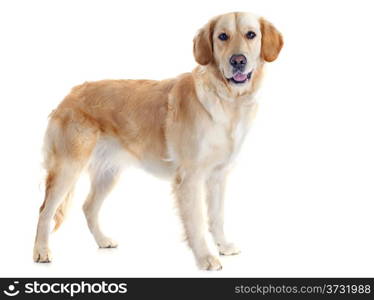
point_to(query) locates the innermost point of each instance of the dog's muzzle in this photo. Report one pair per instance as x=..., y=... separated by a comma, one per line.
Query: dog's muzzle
x=238, y=63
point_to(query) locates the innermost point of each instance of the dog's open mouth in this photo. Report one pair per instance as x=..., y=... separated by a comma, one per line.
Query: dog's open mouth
x=240, y=77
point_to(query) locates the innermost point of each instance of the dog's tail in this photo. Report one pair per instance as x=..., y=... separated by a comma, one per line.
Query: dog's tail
x=62, y=210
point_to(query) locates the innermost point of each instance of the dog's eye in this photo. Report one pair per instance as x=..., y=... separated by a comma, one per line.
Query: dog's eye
x=250, y=35
x=223, y=37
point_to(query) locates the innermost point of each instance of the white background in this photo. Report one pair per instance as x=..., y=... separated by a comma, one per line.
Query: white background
x=300, y=201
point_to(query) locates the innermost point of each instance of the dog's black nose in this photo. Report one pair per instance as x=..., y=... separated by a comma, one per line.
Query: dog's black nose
x=238, y=61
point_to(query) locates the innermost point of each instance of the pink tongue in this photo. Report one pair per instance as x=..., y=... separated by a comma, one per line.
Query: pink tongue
x=240, y=77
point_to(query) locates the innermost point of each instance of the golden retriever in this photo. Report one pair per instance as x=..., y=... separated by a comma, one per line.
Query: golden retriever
x=188, y=128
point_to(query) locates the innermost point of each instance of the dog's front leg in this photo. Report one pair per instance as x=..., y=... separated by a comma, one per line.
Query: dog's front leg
x=215, y=190
x=188, y=188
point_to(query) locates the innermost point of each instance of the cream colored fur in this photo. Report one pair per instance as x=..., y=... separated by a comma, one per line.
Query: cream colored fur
x=188, y=129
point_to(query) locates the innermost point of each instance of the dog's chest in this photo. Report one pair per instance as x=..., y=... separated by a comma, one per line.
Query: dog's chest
x=222, y=141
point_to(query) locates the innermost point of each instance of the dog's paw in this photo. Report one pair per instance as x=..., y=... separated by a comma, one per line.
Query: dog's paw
x=210, y=263
x=228, y=249
x=42, y=255
x=106, y=242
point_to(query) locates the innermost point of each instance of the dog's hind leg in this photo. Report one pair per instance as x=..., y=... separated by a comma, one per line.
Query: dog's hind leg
x=68, y=147
x=108, y=160
x=102, y=183
x=60, y=183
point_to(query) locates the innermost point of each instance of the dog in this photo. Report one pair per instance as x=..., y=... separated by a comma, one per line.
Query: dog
x=189, y=129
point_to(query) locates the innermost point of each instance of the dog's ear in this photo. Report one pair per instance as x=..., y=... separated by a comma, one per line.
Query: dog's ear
x=271, y=42
x=203, y=44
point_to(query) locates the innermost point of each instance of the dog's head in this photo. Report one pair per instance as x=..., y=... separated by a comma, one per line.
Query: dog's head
x=237, y=43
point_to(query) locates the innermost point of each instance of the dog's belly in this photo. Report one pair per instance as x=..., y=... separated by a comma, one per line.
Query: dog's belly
x=163, y=168
x=110, y=153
